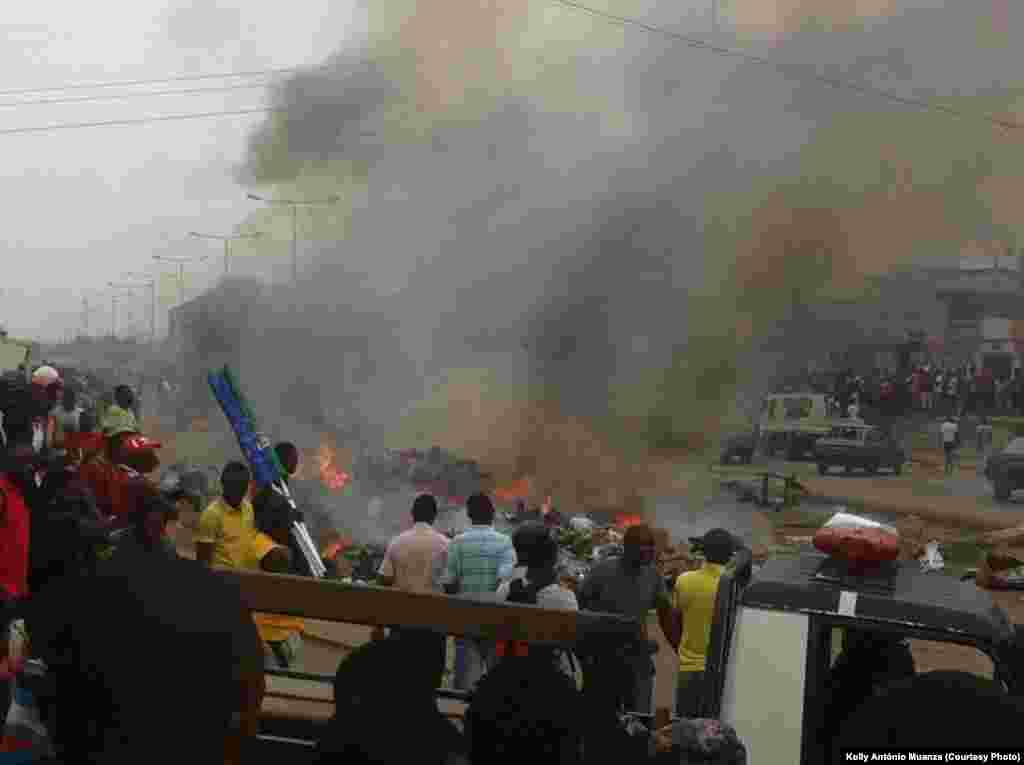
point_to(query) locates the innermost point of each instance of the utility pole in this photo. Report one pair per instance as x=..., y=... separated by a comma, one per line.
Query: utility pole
x=295, y=204
x=180, y=263
x=148, y=281
x=87, y=310
x=227, y=244
x=114, y=299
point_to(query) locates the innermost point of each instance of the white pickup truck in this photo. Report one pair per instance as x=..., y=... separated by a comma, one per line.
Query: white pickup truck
x=774, y=642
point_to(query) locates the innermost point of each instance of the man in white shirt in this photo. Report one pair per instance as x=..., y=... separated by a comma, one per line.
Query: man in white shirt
x=950, y=430
x=416, y=559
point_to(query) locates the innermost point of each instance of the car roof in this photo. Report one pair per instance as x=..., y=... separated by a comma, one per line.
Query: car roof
x=1015, y=446
x=901, y=595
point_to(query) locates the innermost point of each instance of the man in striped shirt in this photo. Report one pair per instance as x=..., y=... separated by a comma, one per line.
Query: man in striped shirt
x=479, y=559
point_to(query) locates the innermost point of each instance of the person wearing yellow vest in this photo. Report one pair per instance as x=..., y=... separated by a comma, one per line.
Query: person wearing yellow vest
x=120, y=416
x=694, y=605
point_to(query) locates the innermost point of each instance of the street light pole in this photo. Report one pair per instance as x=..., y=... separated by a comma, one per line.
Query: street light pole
x=148, y=281
x=87, y=311
x=180, y=263
x=227, y=243
x=114, y=301
x=295, y=244
x=295, y=204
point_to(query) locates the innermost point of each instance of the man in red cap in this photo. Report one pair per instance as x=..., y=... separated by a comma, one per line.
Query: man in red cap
x=118, y=480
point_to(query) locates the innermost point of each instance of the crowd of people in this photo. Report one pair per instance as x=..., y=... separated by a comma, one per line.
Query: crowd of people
x=89, y=569
x=135, y=639
x=964, y=390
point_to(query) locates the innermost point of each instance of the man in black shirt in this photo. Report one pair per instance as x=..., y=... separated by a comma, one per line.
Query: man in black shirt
x=630, y=586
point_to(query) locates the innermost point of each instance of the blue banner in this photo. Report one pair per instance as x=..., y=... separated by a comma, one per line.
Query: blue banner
x=256, y=448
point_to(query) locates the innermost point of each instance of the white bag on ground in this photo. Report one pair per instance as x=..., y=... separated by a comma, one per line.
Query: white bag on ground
x=932, y=559
x=579, y=523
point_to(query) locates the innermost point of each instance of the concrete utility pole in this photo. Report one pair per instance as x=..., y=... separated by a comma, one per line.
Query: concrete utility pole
x=295, y=204
x=146, y=280
x=227, y=243
x=114, y=296
x=180, y=263
x=88, y=308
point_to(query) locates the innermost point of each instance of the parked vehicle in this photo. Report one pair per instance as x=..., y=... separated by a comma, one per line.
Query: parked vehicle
x=14, y=353
x=1006, y=469
x=738, y=446
x=790, y=424
x=806, y=607
x=855, y=445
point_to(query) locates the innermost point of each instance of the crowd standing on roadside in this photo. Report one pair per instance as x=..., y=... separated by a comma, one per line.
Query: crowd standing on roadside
x=86, y=536
x=964, y=390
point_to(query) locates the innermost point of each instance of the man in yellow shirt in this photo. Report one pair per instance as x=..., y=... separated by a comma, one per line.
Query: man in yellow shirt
x=694, y=604
x=226, y=527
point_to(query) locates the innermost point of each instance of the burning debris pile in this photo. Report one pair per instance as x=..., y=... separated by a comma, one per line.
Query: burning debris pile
x=583, y=543
x=434, y=471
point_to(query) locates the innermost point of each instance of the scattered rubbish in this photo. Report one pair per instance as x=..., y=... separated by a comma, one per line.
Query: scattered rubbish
x=580, y=523
x=932, y=559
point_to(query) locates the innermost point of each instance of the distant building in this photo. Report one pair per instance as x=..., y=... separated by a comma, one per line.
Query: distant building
x=985, y=299
x=970, y=311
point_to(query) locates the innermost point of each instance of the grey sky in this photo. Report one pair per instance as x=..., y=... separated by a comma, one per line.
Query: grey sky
x=84, y=207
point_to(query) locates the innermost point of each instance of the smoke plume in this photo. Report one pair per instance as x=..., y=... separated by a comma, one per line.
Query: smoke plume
x=630, y=241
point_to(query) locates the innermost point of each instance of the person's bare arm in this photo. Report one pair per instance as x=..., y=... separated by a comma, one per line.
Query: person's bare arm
x=277, y=561
x=386, y=574
x=671, y=622
x=669, y=619
x=204, y=553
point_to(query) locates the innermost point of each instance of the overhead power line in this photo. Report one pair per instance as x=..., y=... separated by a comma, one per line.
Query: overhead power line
x=142, y=121
x=160, y=80
x=141, y=94
x=797, y=71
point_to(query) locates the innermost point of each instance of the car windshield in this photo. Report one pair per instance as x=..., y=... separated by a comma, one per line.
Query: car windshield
x=1016, y=446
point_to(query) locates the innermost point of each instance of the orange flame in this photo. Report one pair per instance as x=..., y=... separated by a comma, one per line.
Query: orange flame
x=331, y=551
x=326, y=461
x=625, y=520
x=518, y=490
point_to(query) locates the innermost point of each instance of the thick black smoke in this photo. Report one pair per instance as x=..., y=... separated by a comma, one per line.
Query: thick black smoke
x=563, y=247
